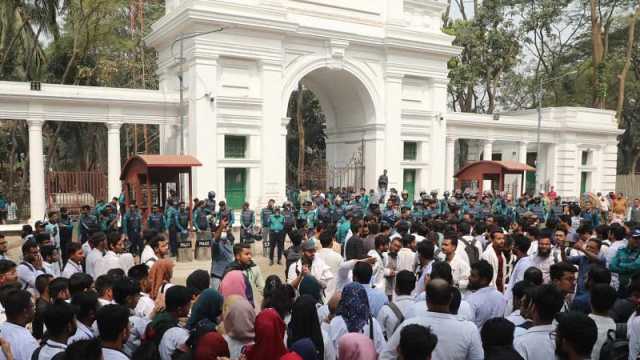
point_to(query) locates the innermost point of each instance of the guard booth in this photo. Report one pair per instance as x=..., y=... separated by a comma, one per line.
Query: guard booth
x=487, y=175
x=147, y=180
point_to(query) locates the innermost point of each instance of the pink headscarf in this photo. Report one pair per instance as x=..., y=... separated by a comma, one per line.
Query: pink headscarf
x=355, y=346
x=233, y=283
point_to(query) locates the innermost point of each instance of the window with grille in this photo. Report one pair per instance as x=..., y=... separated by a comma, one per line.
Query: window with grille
x=410, y=150
x=235, y=147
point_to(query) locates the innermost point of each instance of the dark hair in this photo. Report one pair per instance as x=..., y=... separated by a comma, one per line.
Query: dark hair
x=453, y=237
x=598, y=275
x=112, y=320
x=556, y=271
x=602, y=298
x=57, y=317
x=97, y=238
x=73, y=247
x=155, y=240
x=442, y=270
x=114, y=238
x=326, y=238
x=237, y=248
x=280, y=300
x=116, y=274
x=47, y=250
x=407, y=240
x=585, y=229
x=58, y=285
x=405, y=282
x=296, y=237
x=579, y=330
x=484, y=269
x=41, y=238
x=617, y=230
x=177, y=296
x=16, y=301
x=124, y=288
x=362, y=272
x=380, y=240
x=533, y=275
x=138, y=272
x=521, y=243
x=103, y=283
x=416, y=342
x=425, y=249
x=42, y=282
x=28, y=245
x=79, y=282
x=439, y=293
x=84, y=304
x=548, y=300
x=198, y=281
x=6, y=266
x=519, y=289
x=497, y=332
x=84, y=349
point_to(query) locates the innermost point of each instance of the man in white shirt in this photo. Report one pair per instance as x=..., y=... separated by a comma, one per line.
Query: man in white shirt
x=140, y=274
x=485, y=300
x=537, y=343
x=603, y=296
x=393, y=314
x=126, y=292
x=406, y=259
x=457, y=338
x=86, y=305
x=494, y=256
x=563, y=276
x=104, y=288
x=541, y=258
x=576, y=334
x=113, y=325
x=381, y=246
x=331, y=258
x=59, y=320
x=308, y=264
x=391, y=268
x=111, y=260
x=20, y=312
x=30, y=267
x=98, y=243
x=74, y=263
x=157, y=248
x=519, y=290
x=616, y=236
x=50, y=260
x=459, y=269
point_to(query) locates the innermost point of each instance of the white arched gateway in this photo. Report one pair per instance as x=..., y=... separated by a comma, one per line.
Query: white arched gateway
x=379, y=69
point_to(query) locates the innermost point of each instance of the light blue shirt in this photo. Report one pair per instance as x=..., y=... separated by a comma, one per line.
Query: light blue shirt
x=377, y=299
x=486, y=304
x=457, y=339
x=535, y=343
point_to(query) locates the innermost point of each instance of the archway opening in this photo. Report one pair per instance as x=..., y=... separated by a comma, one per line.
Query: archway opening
x=336, y=109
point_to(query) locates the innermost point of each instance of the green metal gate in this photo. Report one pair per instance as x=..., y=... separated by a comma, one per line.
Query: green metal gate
x=235, y=180
x=409, y=182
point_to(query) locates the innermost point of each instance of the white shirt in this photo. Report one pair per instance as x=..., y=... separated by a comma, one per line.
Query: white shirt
x=486, y=304
x=460, y=271
x=172, y=340
x=137, y=326
x=86, y=248
x=53, y=268
x=23, y=344
x=611, y=252
x=319, y=270
x=457, y=338
x=377, y=279
x=50, y=349
x=465, y=312
x=387, y=318
x=82, y=333
x=406, y=260
x=492, y=258
x=633, y=334
x=71, y=268
x=333, y=260
x=109, y=261
x=92, y=260
x=536, y=344
x=27, y=275
x=338, y=328
x=604, y=324
x=147, y=254
x=516, y=318
x=145, y=306
x=110, y=354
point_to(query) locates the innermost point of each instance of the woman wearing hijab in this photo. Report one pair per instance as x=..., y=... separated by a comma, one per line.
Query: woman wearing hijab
x=205, y=311
x=353, y=316
x=211, y=346
x=160, y=277
x=238, y=322
x=355, y=346
x=272, y=282
x=269, y=337
x=305, y=349
x=305, y=325
x=236, y=283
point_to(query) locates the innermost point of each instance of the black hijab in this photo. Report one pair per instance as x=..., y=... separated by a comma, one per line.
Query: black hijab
x=305, y=324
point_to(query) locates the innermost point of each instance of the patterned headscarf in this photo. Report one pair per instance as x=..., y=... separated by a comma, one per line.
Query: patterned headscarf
x=354, y=307
x=206, y=309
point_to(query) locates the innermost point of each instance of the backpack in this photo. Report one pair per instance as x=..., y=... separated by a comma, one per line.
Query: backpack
x=36, y=354
x=398, y=314
x=472, y=251
x=616, y=347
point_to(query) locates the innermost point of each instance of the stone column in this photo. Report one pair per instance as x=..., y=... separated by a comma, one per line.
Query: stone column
x=488, y=149
x=522, y=157
x=37, y=195
x=114, y=167
x=393, y=144
x=450, y=161
x=273, y=145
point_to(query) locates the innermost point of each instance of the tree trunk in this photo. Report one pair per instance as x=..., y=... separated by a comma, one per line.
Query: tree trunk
x=300, y=122
x=445, y=15
x=622, y=77
x=597, y=53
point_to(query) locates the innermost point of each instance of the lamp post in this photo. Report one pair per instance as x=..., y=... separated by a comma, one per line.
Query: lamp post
x=181, y=38
x=539, y=98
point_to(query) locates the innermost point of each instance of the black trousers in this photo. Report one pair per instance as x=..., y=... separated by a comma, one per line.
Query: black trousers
x=173, y=240
x=276, y=239
x=135, y=243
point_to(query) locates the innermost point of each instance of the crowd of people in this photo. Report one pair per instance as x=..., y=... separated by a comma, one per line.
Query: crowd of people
x=367, y=275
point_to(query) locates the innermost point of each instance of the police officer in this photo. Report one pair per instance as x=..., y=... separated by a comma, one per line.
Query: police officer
x=265, y=218
x=156, y=221
x=210, y=203
x=182, y=223
x=171, y=215
x=201, y=222
x=289, y=219
x=225, y=212
x=88, y=223
x=132, y=227
x=277, y=228
x=247, y=221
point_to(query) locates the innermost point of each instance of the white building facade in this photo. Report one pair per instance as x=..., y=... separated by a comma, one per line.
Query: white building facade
x=379, y=70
